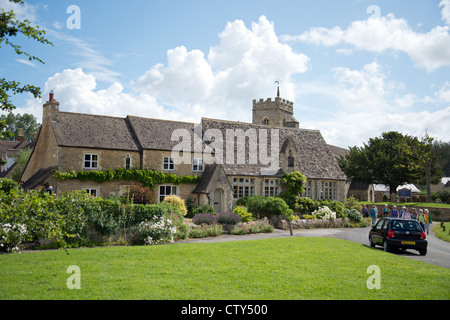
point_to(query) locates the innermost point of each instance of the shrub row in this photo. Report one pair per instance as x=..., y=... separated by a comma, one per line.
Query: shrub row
x=72, y=218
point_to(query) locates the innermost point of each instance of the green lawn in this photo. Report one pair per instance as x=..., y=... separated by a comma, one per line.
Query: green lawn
x=439, y=232
x=272, y=269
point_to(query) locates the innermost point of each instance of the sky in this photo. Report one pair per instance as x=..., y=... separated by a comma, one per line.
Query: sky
x=353, y=68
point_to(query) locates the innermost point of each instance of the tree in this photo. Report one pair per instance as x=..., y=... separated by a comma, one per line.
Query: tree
x=427, y=157
x=443, y=150
x=384, y=160
x=21, y=161
x=27, y=122
x=293, y=185
x=11, y=27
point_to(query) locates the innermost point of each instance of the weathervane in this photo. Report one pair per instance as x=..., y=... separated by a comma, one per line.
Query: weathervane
x=278, y=89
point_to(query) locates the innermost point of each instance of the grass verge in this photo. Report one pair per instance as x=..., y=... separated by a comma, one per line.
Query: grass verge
x=273, y=269
x=440, y=233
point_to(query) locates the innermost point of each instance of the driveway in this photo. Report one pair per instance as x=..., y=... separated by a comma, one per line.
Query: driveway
x=438, y=250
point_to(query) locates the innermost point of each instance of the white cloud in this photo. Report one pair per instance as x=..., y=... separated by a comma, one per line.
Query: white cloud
x=366, y=104
x=76, y=91
x=445, y=13
x=430, y=50
x=241, y=68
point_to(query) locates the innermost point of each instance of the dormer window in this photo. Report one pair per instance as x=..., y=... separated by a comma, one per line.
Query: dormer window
x=291, y=159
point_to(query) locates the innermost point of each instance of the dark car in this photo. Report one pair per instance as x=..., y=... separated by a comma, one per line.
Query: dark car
x=394, y=233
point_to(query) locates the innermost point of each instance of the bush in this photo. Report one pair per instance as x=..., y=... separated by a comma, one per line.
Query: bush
x=334, y=206
x=262, y=207
x=138, y=195
x=177, y=202
x=324, y=213
x=156, y=231
x=243, y=213
x=352, y=203
x=6, y=185
x=444, y=195
x=354, y=215
x=204, y=230
x=228, y=218
x=204, y=208
x=305, y=205
x=204, y=218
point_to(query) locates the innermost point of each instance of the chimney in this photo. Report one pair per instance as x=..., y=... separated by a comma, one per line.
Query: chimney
x=51, y=109
x=20, y=136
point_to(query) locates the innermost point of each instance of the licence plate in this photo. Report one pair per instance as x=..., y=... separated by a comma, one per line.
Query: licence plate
x=408, y=242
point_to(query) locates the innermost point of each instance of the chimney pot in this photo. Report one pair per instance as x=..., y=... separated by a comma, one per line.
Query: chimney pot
x=51, y=96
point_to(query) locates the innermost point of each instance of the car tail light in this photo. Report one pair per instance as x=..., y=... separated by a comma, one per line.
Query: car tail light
x=391, y=234
x=423, y=236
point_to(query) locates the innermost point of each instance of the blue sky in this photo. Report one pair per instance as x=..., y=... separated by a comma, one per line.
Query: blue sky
x=353, y=69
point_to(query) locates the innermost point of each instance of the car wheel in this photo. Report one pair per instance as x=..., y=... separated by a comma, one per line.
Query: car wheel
x=372, y=244
x=386, y=246
x=423, y=251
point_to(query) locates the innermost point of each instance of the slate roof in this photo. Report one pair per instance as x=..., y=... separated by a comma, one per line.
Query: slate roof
x=314, y=157
x=93, y=131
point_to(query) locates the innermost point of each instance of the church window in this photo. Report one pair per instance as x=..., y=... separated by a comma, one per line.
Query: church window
x=266, y=121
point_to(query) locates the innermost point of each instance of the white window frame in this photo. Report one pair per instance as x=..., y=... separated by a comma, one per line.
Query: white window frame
x=91, y=161
x=164, y=188
x=91, y=190
x=168, y=163
x=197, y=165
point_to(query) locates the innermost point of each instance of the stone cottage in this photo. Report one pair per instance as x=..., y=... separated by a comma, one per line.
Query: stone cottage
x=232, y=159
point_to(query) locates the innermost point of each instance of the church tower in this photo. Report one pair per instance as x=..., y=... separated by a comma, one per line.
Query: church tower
x=275, y=113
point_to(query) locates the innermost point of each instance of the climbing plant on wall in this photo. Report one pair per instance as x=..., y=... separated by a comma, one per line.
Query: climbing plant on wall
x=148, y=178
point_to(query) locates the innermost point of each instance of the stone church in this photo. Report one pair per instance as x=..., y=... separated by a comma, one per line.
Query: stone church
x=233, y=159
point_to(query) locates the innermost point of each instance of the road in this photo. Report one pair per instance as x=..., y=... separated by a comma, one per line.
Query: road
x=438, y=252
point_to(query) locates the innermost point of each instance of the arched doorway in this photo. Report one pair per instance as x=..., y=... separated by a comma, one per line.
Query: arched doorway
x=217, y=200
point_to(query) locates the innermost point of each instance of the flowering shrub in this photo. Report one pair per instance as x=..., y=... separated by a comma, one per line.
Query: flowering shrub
x=228, y=218
x=354, y=215
x=177, y=202
x=204, y=218
x=11, y=236
x=157, y=231
x=243, y=213
x=324, y=213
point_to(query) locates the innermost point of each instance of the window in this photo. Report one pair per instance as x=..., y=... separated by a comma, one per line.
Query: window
x=271, y=188
x=197, y=165
x=243, y=187
x=266, y=121
x=128, y=162
x=165, y=191
x=328, y=190
x=291, y=159
x=91, y=191
x=168, y=163
x=90, y=161
x=308, y=189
